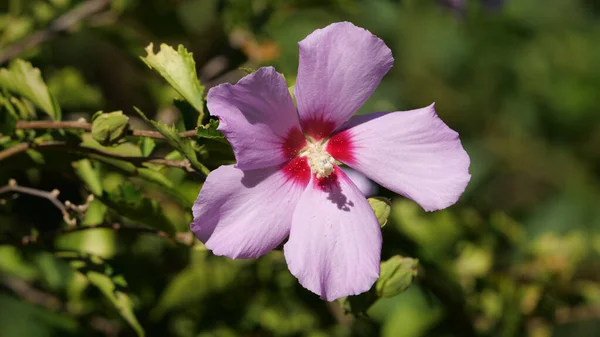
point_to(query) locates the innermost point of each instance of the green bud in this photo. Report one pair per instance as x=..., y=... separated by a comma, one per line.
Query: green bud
x=382, y=208
x=109, y=128
x=396, y=276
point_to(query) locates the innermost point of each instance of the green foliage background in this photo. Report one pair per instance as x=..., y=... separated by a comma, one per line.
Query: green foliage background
x=517, y=256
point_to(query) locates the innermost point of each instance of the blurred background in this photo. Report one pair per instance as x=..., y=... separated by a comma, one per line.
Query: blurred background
x=519, y=255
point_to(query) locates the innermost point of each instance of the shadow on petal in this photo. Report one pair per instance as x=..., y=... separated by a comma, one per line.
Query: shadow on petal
x=331, y=186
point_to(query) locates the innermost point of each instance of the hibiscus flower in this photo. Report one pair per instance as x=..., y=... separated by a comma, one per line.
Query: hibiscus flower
x=287, y=182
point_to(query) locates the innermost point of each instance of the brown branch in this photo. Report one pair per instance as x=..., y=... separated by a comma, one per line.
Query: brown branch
x=50, y=196
x=568, y=315
x=183, y=238
x=11, y=151
x=182, y=164
x=78, y=125
x=186, y=238
x=338, y=313
x=62, y=24
x=31, y=294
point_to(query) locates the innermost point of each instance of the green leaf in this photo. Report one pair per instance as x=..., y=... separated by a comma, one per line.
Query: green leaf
x=129, y=202
x=247, y=70
x=146, y=145
x=210, y=131
x=179, y=69
x=109, y=128
x=95, y=213
x=67, y=81
x=89, y=175
x=8, y=117
x=182, y=145
x=382, y=208
x=25, y=108
x=396, y=276
x=291, y=91
x=23, y=79
x=199, y=279
x=190, y=116
x=119, y=299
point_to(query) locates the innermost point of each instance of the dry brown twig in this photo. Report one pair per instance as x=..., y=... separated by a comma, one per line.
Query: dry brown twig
x=51, y=196
x=138, y=161
x=83, y=125
x=66, y=208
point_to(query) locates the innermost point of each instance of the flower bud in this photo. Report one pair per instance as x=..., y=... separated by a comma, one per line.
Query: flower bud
x=396, y=275
x=109, y=128
x=382, y=208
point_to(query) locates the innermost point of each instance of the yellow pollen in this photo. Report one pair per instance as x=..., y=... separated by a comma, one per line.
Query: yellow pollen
x=319, y=160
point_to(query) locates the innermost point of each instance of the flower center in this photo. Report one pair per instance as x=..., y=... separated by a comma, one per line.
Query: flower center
x=319, y=160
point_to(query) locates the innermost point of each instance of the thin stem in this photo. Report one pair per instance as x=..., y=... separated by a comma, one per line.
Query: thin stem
x=77, y=125
x=569, y=315
x=50, y=196
x=31, y=294
x=11, y=151
x=186, y=238
x=182, y=164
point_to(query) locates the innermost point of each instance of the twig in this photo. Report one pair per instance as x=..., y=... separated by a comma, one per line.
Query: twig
x=62, y=24
x=182, y=164
x=186, y=238
x=51, y=196
x=31, y=294
x=338, y=313
x=36, y=296
x=183, y=238
x=568, y=315
x=11, y=151
x=78, y=125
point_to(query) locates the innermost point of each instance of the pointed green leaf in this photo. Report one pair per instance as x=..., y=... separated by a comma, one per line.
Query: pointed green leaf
x=382, y=208
x=146, y=145
x=291, y=91
x=119, y=299
x=189, y=115
x=247, y=70
x=129, y=202
x=89, y=175
x=23, y=79
x=8, y=117
x=182, y=145
x=210, y=130
x=179, y=69
x=25, y=109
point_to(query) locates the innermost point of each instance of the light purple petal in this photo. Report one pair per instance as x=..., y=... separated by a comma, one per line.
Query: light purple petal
x=245, y=214
x=366, y=186
x=335, y=242
x=340, y=67
x=258, y=118
x=412, y=153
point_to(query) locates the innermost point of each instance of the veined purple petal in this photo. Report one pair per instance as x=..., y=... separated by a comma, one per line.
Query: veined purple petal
x=335, y=242
x=412, y=153
x=245, y=214
x=258, y=118
x=340, y=67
